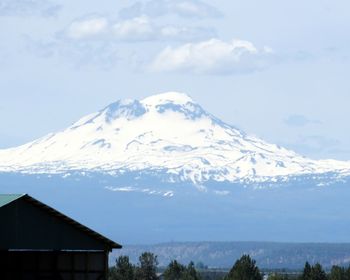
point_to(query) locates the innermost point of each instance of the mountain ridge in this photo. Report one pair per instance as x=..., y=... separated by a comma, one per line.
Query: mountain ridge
x=165, y=169
x=168, y=133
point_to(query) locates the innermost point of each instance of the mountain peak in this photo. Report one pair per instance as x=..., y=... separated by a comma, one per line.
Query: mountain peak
x=168, y=97
x=127, y=108
x=168, y=132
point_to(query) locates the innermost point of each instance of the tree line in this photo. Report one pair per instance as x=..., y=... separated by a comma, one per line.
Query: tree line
x=244, y=268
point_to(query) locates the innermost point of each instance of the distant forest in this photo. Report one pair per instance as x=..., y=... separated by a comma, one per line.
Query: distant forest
x=245, y=268
x=218, y=255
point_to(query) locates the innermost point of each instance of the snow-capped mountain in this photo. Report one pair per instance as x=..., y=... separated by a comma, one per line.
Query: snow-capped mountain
x=166, y=168
x=167, y=133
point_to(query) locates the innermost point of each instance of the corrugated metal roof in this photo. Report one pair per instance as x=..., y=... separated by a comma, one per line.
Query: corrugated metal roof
x=8, y=198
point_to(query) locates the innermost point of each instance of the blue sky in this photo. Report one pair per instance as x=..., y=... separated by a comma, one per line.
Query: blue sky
x=276, y=69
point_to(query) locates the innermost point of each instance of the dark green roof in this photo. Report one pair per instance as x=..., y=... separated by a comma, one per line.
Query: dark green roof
x=8, y=198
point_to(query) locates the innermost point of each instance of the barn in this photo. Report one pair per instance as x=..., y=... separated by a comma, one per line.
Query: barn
x=38, y=242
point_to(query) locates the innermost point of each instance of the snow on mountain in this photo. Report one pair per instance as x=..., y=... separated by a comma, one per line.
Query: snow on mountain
x=167, y=132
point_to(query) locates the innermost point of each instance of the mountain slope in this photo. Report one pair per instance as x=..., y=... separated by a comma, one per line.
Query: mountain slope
x=133, y=170
x=167, y=133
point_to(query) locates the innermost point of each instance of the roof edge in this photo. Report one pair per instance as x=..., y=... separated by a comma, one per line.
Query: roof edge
x=111, y=244
x=6, y=199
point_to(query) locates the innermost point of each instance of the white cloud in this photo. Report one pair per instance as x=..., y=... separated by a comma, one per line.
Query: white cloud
x=212, y=56
x=87, y=28
x=184, y=8
x=95, y=40
x=139, y=28
x=142, y=28
x=197, y=8
x=28, y=8
x=181, y=33
x=133, y=30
